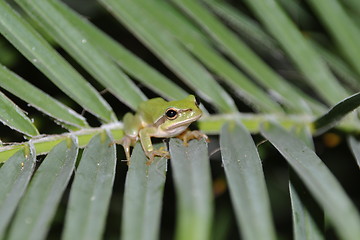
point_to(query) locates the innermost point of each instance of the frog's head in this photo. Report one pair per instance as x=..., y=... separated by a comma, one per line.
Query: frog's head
x=179, y=115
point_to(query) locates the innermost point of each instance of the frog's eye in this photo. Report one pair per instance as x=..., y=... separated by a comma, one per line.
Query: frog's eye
x=197, y=101
x=171, y=114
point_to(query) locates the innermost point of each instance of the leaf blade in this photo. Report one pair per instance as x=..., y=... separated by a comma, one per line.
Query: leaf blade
x=15, y=175
x=12, y=116
x=39, y=204
x=132, y=64
x=343, y=30
x=246, y=182
x=197, y=44
x=171, y=53
x=40, y=100
x=355, y=148
x=329, y=119
x=242, y=54
x=57, y=24
x=317, y=178
x=144, y=187
x=307, y=60
x=91, y=190
x=191, y=172
x=304, y=225
x=48, y=61
x=307, y=216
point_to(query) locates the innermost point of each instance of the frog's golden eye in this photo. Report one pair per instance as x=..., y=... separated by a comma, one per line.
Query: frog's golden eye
x=171, y=113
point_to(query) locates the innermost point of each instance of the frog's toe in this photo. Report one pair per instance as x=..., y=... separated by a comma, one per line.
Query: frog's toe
x=149, y=161
x=162, y=150
x=157, y=153
x=162, y=153
x=189, y=135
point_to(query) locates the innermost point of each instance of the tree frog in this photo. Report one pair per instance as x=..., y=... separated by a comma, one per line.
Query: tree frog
x=161, y=119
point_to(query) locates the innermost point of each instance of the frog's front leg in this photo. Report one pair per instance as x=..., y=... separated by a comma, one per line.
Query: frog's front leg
x=145, y=139
x=188, y=135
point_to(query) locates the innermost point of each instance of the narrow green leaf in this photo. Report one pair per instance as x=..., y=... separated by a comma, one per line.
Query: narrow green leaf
x=91, y=190
x=243, y=55
x=14, y=177
x=302, y=54
x=246, y=26
x=354, y=5
x=308, y=217
x=246, y=182
x=304, y=227
x=144, y=189
x=299, y=13
x=40, y=100
x=355, y=148
x=197, y=44
x=12, y=116
x=329, y=119
x=47, y=60
x=132, y=64
x=303, y=132
x=39, y=204
x=170, y=51
x=318, y=179
x=341, y=27
x=192, y=180
x=74, y=41
x=339, y=66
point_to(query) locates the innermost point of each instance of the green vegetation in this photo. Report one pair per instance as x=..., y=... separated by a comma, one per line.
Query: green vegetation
x=279, y=81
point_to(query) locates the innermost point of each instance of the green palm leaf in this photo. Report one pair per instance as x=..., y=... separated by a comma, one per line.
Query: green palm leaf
x=40, y=201
x=192, y=184
x=11, y=115
x=143, y=197
x=246, y=181
x=91, y=190
x=44, y=57
x=16, y=173
x=264, y=67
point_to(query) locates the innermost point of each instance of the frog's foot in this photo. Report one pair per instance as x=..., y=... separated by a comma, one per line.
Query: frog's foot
x=189, y=135
x=161, y=152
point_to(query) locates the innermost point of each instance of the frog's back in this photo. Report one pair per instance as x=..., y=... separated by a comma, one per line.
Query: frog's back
x=152, y=109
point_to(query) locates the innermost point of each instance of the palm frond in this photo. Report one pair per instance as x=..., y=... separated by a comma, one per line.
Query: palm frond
x=144, y=188
x=47, y=60
x=246, y=181
x=259, y=66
